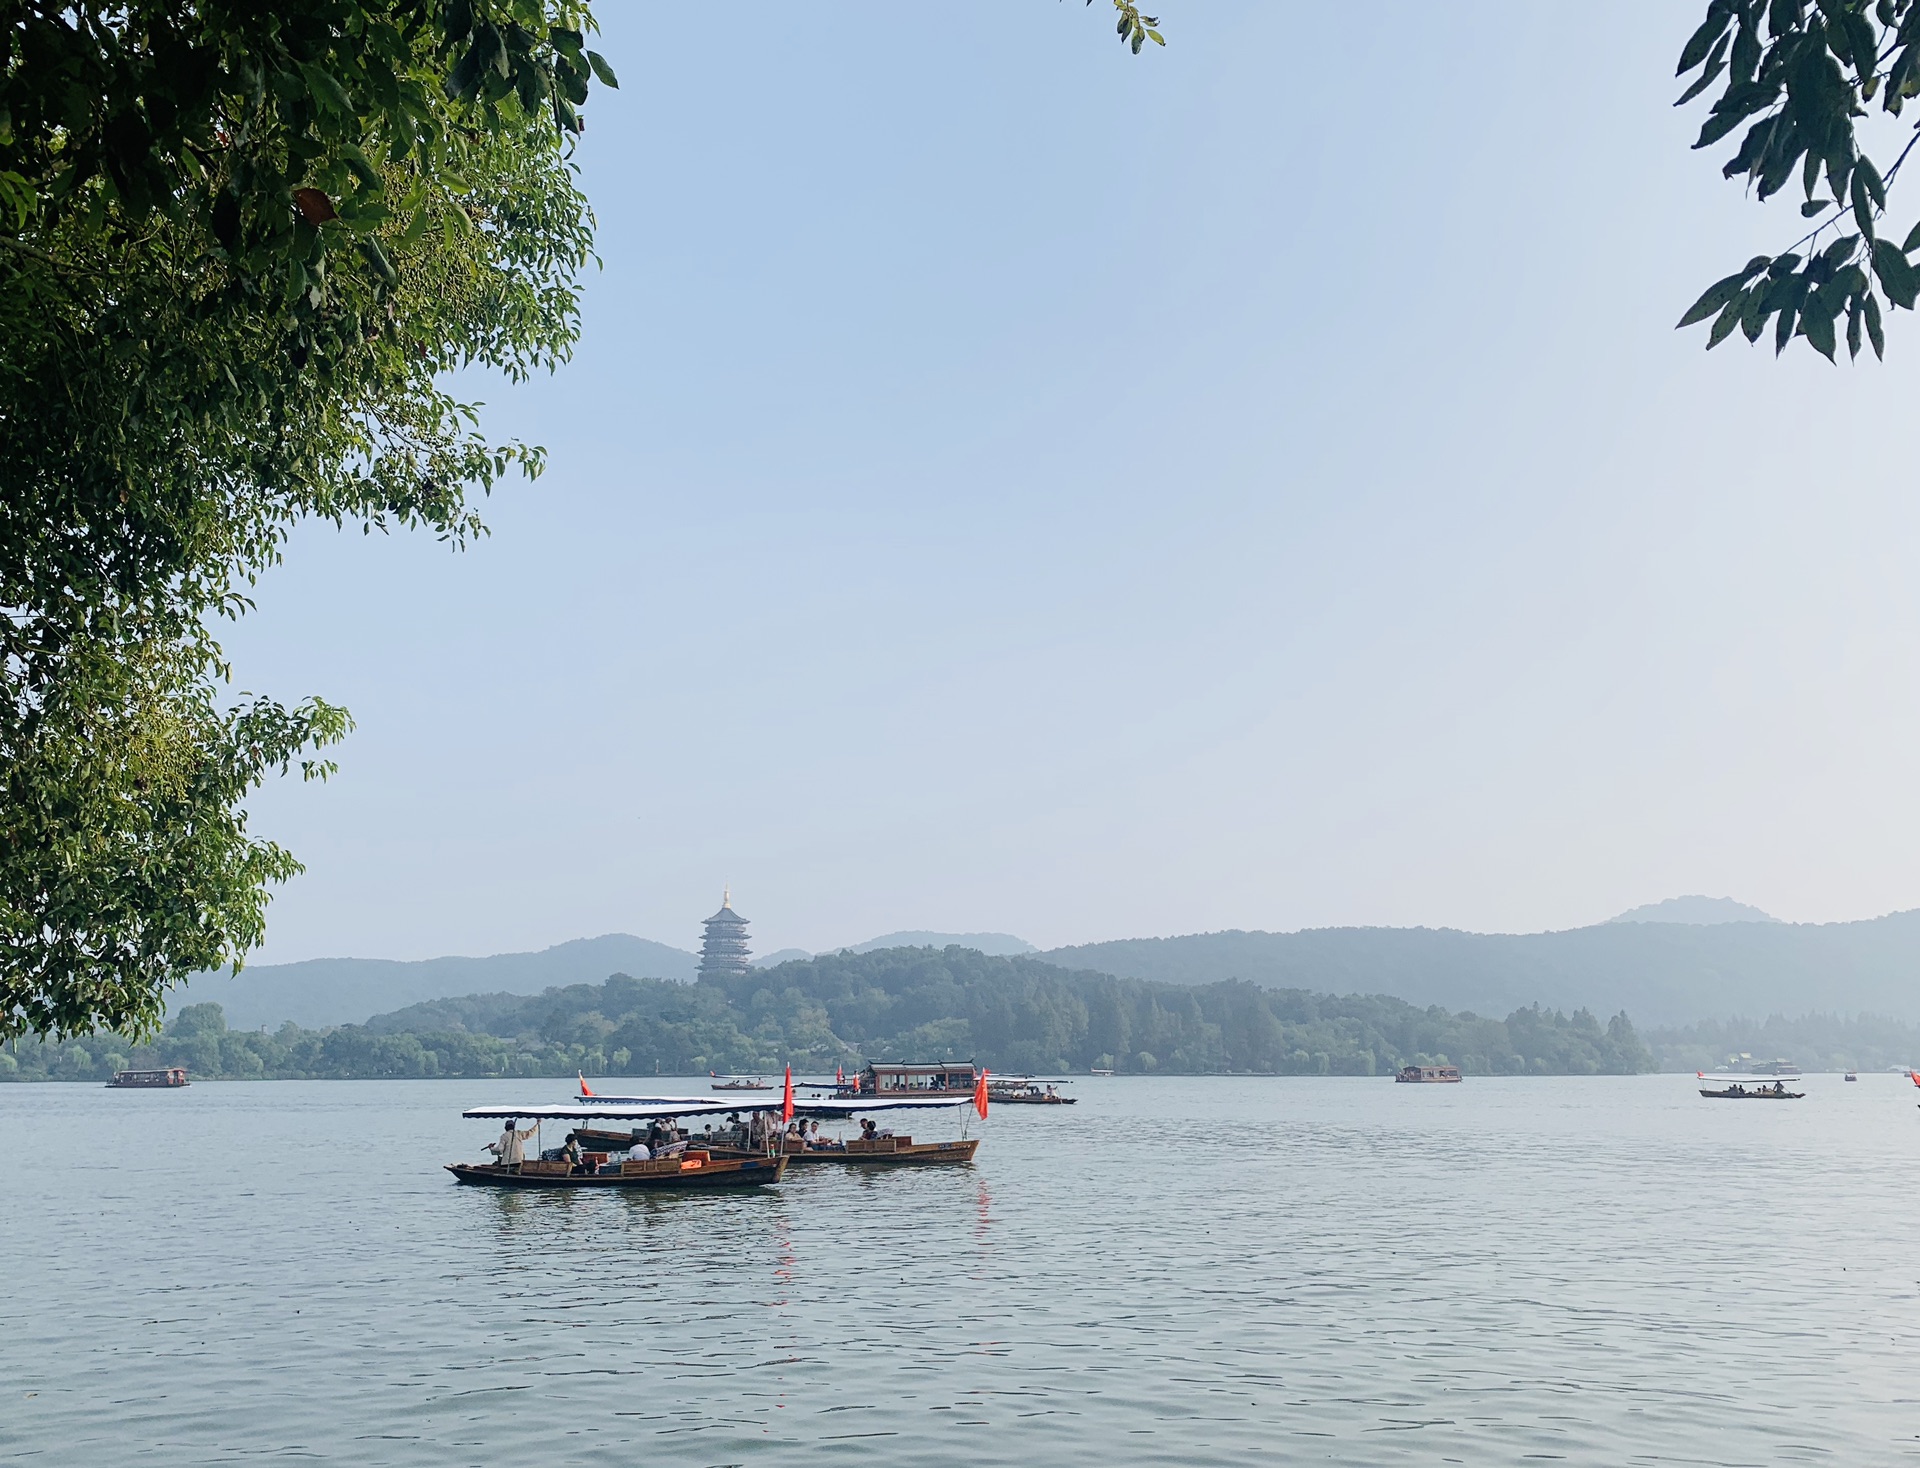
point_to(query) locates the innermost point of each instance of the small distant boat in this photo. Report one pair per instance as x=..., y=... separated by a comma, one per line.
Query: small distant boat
x=1099, y=1072
x=171, y=1078
x=1851, y=1076
x=739, y=1083
x=1752, y=1088
x=1428, y=1075
x=1026, y=1091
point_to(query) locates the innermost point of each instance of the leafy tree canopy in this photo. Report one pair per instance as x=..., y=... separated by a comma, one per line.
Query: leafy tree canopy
x=240, y=246
x=1800, y=83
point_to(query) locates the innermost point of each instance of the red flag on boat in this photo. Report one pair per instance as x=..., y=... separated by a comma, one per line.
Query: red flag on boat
x=1700, y=1075
x=839, y=1076
x=786, y=1099
x=1914, y=1076
x=585, y=1089
x=980, y=1095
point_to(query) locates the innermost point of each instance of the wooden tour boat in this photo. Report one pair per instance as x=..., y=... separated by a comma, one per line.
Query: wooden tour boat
x=687, y=1170
x=739, y=1139
x=1428, y=1075
x=171, y=1078
x=891, y=1078
x=738, y=1083
x=882, y=1152
x=1751, y=1088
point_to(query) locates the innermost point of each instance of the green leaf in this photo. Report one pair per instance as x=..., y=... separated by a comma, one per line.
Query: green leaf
x=1813, y=207
x=1864, y=169
x=1853, y=329
x=1897, y=277
x=1873, y=329
x=1912, y=241
x=1712, y=299
x=602, y=70
x=1712, y=29
x=326, y=90
x=377, y=258
x=1716, y=63
x=1783, y=328
x=1729, y=318
x=1862, y=205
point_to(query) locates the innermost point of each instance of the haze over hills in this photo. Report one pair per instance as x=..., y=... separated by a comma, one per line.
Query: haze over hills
x=994, y=945
x=1660, y=972
x=1677, y=962
x=1700, y=911
x=338, y=991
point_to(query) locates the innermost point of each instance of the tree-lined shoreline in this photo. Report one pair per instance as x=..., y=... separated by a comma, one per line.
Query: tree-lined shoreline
x=1013, y=1014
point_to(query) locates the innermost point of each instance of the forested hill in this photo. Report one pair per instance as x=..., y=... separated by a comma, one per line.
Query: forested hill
x=1661, y=973
x=1011, y=1013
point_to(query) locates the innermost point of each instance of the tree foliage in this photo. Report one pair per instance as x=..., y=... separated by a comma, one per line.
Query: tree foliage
x=905, y=1003
x=240, y=248
x=1799, y=80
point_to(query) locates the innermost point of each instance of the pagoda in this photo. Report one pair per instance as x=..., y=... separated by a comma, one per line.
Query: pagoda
x=723, y=952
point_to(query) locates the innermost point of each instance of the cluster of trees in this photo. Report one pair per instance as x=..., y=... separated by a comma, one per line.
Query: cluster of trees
x=199, y=1039
x=1013, y=1014
x=1816, y=1042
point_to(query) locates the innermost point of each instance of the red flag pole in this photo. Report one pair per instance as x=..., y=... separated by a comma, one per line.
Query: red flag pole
x=786, y=1100
x=980, y=1095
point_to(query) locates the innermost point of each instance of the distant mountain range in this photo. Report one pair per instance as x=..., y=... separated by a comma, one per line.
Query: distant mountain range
x=1661, y=972
x=342, y=991
x=339, y=991
x=1671, y=963
x=1700, y=911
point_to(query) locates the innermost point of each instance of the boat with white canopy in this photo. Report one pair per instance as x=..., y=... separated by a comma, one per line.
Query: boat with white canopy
x=680, y=1167
x=1769, y=1087
x=741, y=1135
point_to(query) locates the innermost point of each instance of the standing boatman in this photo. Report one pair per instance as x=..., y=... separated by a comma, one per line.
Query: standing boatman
x=509, y=1150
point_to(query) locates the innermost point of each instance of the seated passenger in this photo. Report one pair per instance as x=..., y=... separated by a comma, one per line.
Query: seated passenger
x=639, y=1152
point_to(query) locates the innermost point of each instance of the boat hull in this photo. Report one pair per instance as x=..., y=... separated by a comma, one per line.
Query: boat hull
x=915, y=1154
x=1033, y=1100
x=1754, y=1095
x=745, y=1172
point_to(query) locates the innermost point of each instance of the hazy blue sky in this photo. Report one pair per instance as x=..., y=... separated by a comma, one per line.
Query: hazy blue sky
x=1010, y=484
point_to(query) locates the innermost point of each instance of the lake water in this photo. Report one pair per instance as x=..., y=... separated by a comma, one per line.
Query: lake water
x=1585, y=1270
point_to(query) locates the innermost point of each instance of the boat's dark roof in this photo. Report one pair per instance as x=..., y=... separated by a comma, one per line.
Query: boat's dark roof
x=931, y=1067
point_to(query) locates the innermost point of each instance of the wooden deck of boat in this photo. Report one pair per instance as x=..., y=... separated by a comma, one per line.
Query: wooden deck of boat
x=718, y=1172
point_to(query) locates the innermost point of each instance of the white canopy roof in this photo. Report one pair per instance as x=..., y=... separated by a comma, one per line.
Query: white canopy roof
x=636, y=1111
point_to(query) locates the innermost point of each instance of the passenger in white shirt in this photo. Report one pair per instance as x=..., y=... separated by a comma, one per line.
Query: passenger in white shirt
x=639, y=1152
